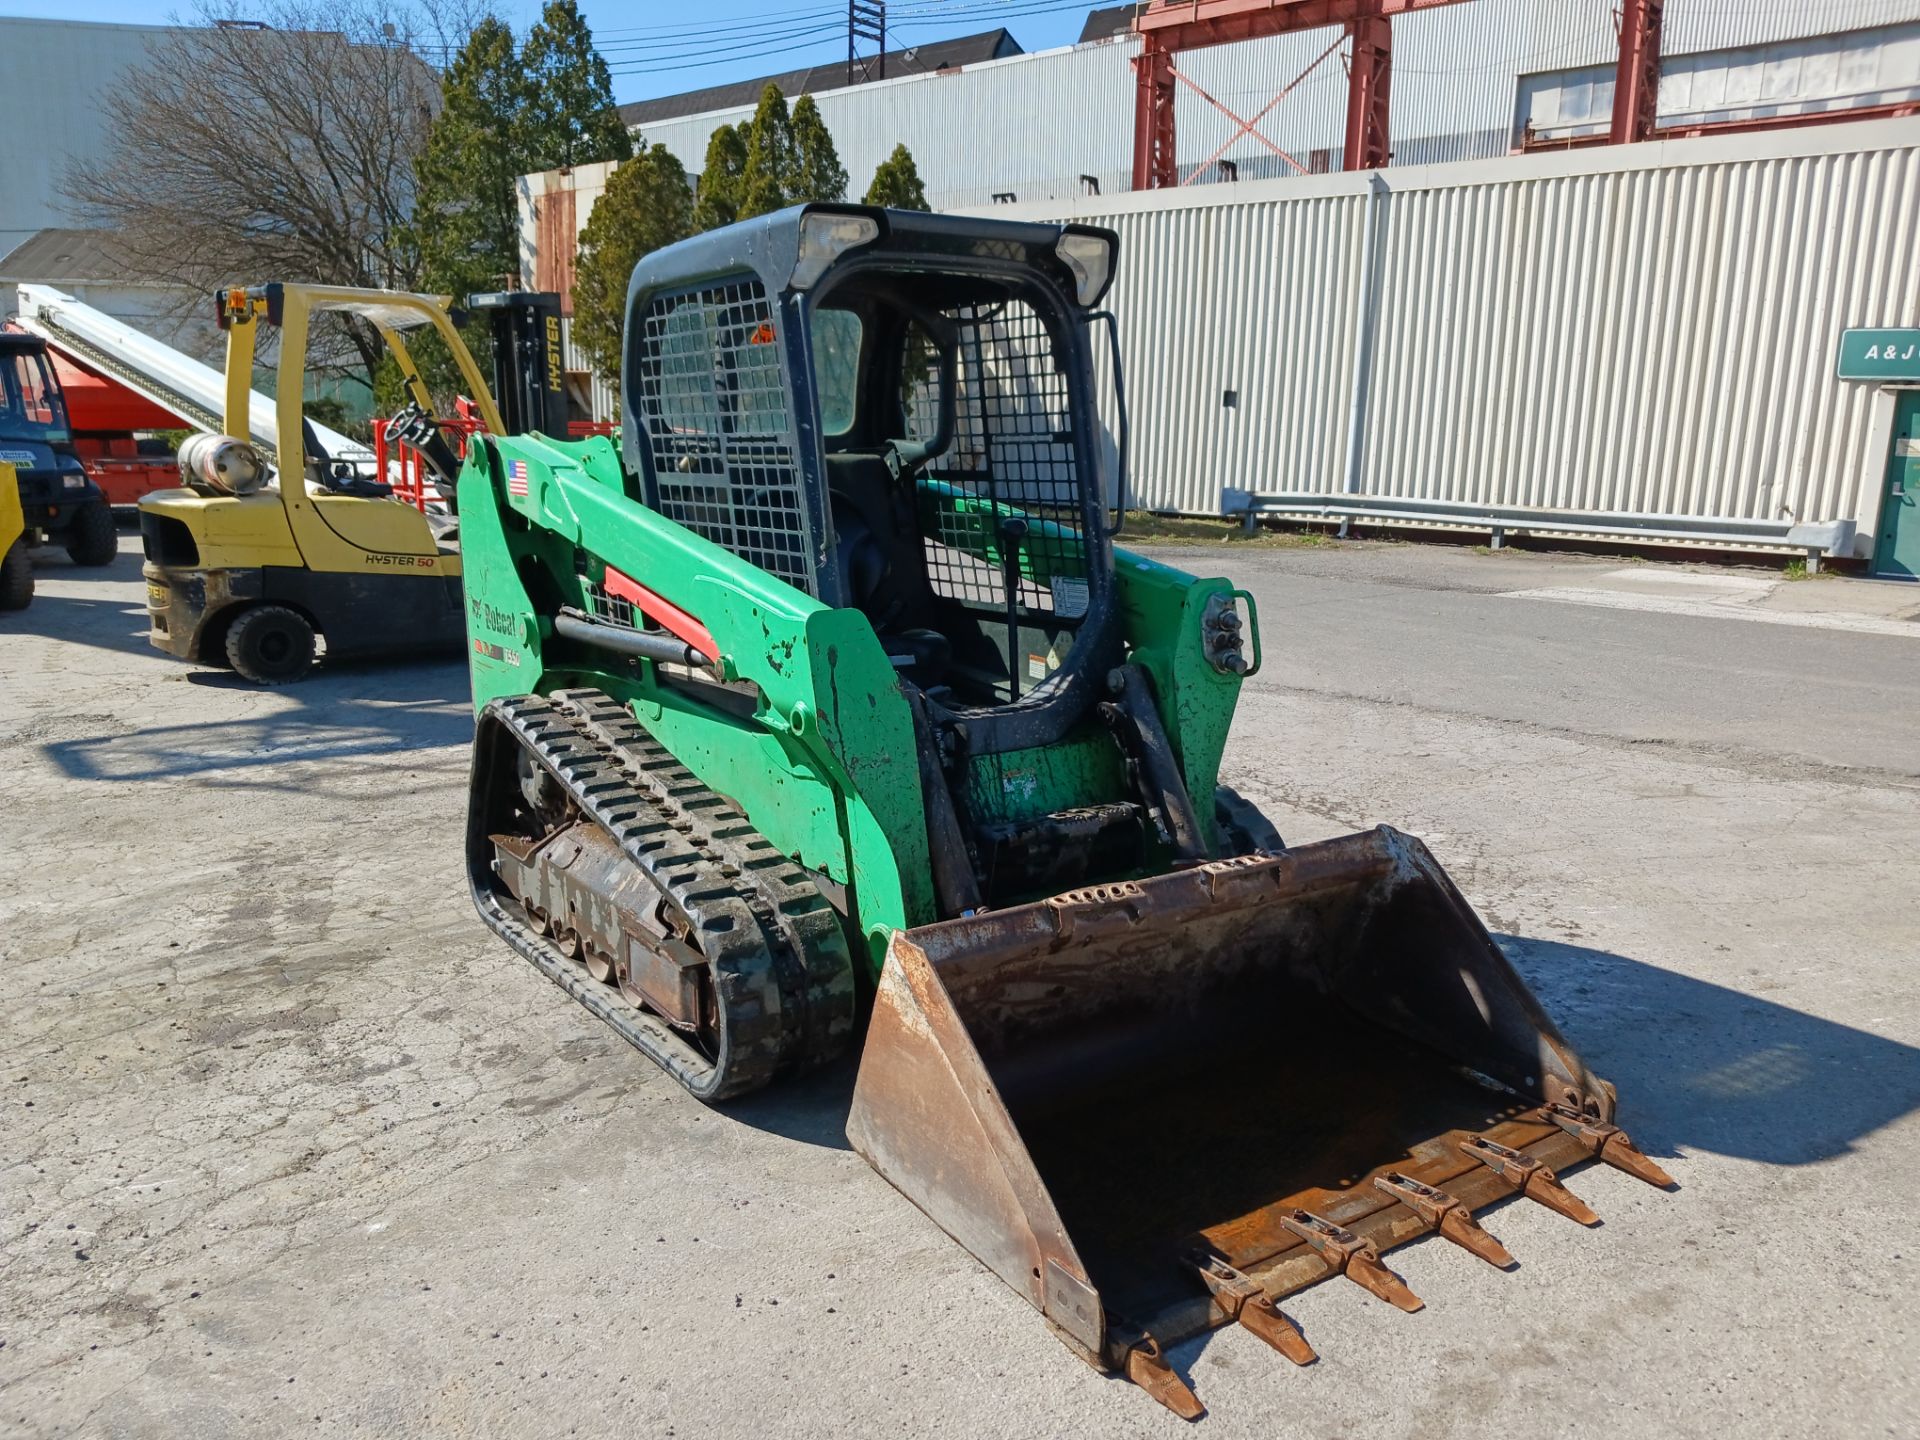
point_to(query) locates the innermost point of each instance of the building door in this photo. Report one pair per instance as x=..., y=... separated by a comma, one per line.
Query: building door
x=1897, y=551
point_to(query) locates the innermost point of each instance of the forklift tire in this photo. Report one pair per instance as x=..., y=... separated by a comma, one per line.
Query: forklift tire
x=16, y=577
x=271, y=645
x=91, y=539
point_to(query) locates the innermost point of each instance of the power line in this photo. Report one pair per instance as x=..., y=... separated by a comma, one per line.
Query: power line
x=758, y=38
x=1007, y=12
x=918, y=12
x=707, y=56
x=916, y=15
x=759, y=18
x=638, y=67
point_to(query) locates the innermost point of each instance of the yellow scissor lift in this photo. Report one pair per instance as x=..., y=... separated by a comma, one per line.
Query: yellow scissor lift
x=261, y=554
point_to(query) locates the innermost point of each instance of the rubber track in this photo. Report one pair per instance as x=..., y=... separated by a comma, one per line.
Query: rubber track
x=811, y=956
x=762, y=1032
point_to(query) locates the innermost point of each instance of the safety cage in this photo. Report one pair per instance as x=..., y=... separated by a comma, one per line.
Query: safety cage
x=910, y=433
x=708, y=387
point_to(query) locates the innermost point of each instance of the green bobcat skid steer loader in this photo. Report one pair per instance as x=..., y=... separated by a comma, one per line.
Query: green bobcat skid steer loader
x=826, y=700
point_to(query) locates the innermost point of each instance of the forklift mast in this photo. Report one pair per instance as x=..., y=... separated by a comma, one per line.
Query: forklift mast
x=529, y=361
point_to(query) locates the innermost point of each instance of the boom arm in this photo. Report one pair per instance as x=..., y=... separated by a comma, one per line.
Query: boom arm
x=825, y=694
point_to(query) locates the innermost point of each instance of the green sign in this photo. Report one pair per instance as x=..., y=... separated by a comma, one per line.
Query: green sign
x=1880, y=355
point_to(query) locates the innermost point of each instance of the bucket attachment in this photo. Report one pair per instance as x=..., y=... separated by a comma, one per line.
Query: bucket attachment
x=1157, y=1106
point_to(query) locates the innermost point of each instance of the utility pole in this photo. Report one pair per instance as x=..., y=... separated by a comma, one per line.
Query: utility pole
x=866, y=20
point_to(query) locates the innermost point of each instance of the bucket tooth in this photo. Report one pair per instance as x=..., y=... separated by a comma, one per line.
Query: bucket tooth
x=1146, y=1366
x=1466, y=1232
x=1365, y=1270
x=1609, y=1143
x=1345, y=1253
x=1448, y=1217
x=1266, y=1320
x=1240, y=1298
x=1529, y=1177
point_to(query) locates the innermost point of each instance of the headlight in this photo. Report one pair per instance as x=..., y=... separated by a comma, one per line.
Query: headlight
x=74, y=482
x=824, y=238
x=1090, y=258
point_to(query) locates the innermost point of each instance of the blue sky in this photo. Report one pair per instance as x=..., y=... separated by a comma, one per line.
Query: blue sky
x=661, y=49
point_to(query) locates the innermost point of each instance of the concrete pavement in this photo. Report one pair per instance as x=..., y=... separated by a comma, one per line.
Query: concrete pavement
x=293, y=1145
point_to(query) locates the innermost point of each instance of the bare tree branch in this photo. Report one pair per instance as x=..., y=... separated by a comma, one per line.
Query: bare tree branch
x=286, y=153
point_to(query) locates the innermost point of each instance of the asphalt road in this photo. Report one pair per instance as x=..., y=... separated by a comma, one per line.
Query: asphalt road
x=292, y=1145
x=1443, y=629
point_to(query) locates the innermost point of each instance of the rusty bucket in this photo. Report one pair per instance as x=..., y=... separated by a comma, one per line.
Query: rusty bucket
x=1161, y=1105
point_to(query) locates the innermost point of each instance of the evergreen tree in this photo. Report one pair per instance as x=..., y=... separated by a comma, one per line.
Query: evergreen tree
x=718, y=202
x=770, y=156
x=766, y=163
x=569, y=117
x=896, y=183
x=647, y=204
x=465, y=224
x=465, y=221
x=817, y=173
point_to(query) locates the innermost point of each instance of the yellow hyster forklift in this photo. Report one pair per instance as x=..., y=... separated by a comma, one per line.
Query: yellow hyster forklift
x=261, y=552
x=16, y=567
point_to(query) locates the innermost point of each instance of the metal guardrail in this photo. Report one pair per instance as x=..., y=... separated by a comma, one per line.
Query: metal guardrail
x=1815, y=539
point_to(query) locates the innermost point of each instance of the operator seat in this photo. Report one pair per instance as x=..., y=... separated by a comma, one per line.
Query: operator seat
x=883, y=563
x=338, y=477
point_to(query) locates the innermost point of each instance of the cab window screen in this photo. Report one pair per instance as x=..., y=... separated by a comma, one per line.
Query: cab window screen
x=1013, y=454
x=708, y=390
x=921, y=384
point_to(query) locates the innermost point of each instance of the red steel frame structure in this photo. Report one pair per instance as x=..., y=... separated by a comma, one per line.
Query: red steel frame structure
x=1636, y=78
x=1167, y=27
x=1636, y=94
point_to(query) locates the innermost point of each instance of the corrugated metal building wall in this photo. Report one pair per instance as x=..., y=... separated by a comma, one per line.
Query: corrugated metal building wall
x=52, y=75
x=1032, y=125
x=1646, y=328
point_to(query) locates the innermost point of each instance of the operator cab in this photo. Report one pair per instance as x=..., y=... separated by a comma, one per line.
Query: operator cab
x=948, y=445
x=894, y=411
x=58, y=500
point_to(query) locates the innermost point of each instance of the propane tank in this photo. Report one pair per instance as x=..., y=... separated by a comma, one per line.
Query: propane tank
x=222, y=464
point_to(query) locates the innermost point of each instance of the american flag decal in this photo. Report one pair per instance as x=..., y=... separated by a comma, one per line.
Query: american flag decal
x=516, y=477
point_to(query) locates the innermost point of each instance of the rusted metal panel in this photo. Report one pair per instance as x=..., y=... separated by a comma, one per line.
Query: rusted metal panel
x=556, y=215
x=928, y=1118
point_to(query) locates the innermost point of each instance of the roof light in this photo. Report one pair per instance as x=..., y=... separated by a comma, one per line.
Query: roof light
x=1090, y=258
x=824, y=238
